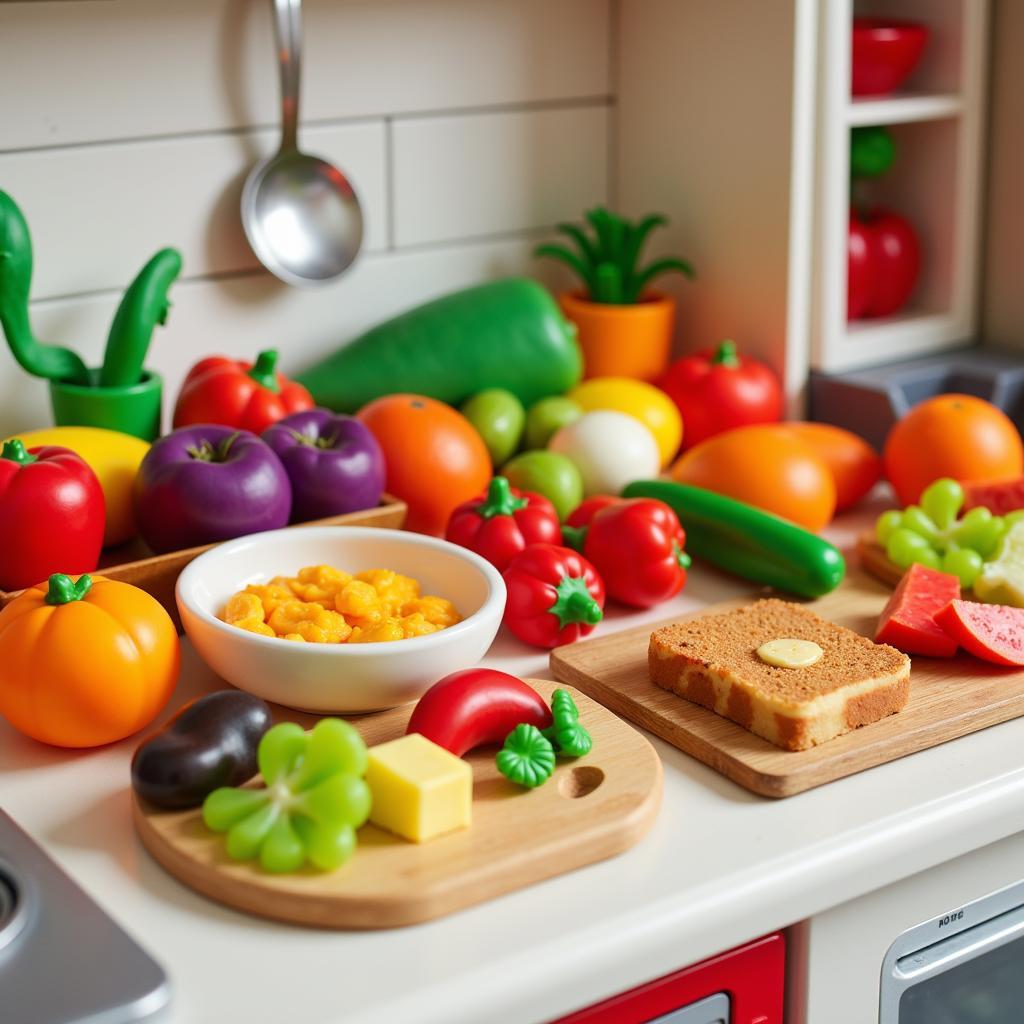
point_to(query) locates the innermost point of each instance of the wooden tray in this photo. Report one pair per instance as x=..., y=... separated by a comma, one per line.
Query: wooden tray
x=157, y=574
x=591, y=809
x=875, y=561
x=949, y=697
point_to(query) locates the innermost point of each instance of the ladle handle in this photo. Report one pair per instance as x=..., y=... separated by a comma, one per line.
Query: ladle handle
x=288, y=34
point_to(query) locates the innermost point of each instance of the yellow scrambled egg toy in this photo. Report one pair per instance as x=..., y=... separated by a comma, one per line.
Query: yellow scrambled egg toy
x=324, y=605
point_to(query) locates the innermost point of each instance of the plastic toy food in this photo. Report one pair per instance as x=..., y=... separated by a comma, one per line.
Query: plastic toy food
x=930, y=533
x=476, y=706
x=51, y=514
x=567, y=736
x=1001, y=580
x=420, y=790
x=763, y=466
x=114, y=458
x=720, y=389
x=992, y=632
x=636, y=545
x=908, y=620
x=885, y=52
x=527, y=757
x=334, y=463
x=313, y=800
x=499, y=418
x=324, y=605
x=208, y=483
x=884, y=260
x=210, y=742
x=546, y=417
x=1000, y=497
x=548, y=473
x=636, y=398
x=86, y=662
x=434, y=457
x=872, y=151
x=747, y=541
x=251, y=396
x=500, y=523
x=956, y=436
x=610, y=449
x=504, y=334
x=855, y=466
x=555, y=596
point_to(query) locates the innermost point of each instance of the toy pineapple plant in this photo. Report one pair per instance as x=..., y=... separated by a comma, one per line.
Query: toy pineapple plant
x=624, y=329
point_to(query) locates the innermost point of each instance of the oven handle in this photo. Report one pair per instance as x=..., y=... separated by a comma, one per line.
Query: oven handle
x=962, y=947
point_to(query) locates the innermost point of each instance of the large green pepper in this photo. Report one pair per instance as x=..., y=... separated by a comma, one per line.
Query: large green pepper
x=505, y=334
x=748, y=541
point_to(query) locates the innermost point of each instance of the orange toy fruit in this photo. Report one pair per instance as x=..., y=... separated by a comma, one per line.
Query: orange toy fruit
x=85, y=662
x=767, y=466
x=435, y=458
x=855, y=466
x=959, y=436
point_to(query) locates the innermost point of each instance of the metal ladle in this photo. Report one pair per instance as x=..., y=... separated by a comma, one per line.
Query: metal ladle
x=300, y=213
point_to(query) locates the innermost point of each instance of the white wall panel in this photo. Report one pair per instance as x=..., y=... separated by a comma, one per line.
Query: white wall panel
x=100, y=69
x=481, y=174
x=98, y=212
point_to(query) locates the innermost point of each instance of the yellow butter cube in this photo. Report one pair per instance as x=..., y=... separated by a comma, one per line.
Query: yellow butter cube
x=420, y=790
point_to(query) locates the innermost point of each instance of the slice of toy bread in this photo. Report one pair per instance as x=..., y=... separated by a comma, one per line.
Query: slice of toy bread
x=713, y=661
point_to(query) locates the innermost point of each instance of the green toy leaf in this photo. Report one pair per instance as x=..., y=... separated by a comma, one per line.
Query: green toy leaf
x=527, y=758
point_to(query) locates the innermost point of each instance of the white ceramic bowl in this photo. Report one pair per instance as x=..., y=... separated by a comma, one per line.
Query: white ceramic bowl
x=339, y=678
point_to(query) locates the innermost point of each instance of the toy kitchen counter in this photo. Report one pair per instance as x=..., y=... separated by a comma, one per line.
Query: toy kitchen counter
x=721, y=866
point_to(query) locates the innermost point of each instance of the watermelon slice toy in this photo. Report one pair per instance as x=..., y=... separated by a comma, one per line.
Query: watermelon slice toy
x=994, y=632
x=1000, y=497
x=908, y=620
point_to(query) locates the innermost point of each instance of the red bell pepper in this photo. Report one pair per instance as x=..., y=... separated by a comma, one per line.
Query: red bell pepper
x=636, y=544
x=501, y=522
x=588, y=508
x=555, y=596
x=52, y=515
x=475, y=706
x=239, y=394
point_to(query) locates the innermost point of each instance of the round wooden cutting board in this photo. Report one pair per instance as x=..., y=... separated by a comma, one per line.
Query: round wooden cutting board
x=592, y=808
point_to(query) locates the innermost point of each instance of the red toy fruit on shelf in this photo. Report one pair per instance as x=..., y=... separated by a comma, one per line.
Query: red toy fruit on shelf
x=1000, y=497
x=52, y=514
x=719, y=389
x=908, y=620
x=884, y=260
x=636, y=544
x=555, y=596
x=501, y=522
x=992, y=632
x=251, y=396
x=885, y=52
x=476, y=706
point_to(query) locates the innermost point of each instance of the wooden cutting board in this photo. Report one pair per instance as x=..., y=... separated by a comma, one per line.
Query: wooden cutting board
x=875, y=561
x=949, y=697
x=591, y=809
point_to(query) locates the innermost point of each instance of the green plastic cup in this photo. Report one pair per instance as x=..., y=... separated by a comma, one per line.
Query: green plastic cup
x=134, y=409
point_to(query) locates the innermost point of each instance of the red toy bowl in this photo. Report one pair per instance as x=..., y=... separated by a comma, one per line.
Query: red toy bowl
x=884, y=54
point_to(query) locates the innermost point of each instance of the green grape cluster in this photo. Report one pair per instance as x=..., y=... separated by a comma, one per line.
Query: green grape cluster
x=932, y=534
x=313, y=801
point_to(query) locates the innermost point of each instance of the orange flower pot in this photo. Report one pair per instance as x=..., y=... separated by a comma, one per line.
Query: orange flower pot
x=623, y=341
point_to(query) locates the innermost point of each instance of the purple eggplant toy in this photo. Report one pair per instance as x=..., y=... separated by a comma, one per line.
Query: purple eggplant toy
x=333, y=461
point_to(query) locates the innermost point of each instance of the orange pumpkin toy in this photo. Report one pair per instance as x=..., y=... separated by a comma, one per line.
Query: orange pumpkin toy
x=435, y=459
x=85, y=662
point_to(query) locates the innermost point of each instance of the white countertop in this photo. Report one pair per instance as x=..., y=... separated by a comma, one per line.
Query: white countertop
x=720, y=866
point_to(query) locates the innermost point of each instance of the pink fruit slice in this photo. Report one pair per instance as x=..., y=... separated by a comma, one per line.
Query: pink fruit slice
x=994, y=632
x=908, y=621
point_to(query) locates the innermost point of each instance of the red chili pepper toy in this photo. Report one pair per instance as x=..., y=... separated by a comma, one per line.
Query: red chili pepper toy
x=501, y=522
x=636, y=545
x=475, y=706
x=239, y=394
x=52, y=514
x=555, y=596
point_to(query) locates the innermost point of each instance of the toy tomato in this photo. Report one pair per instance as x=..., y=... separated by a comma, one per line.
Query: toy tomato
x=500, y=523
x=636, y=544
x=884, y=259
x=239, y=394
x=719, y=389
x=52, y=514
x=555, y=596
x=86, y=662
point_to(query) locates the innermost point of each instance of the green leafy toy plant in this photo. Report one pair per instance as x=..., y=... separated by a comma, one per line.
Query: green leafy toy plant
x=625, y=330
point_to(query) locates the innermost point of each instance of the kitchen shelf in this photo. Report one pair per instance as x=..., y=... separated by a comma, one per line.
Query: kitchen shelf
x=902, y=109
x=911, y=333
